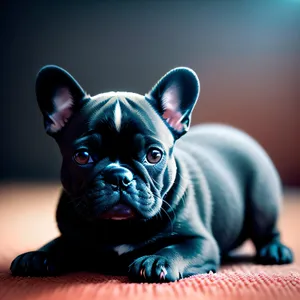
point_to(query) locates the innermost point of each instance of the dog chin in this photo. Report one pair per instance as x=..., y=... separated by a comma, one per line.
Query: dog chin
x=119, y=206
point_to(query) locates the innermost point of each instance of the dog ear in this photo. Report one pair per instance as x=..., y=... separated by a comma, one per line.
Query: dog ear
x=175, y=96
x=58, y=94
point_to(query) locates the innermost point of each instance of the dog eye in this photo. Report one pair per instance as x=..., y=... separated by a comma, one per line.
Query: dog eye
x=83, y=158
x=154, y=155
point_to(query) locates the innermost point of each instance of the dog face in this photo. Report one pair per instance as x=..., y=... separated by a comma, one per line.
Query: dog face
x=117, y=147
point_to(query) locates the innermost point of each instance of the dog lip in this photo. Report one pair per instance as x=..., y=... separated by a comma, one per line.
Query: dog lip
x=119, y=212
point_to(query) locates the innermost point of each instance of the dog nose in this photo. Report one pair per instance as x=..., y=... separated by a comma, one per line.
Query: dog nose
x=117, y=175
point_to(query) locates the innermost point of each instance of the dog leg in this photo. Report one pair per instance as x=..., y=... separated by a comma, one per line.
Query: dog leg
x=193, y=256
x=264, y=208
x=50, y=260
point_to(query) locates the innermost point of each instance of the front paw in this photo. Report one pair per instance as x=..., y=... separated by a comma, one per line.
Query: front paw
x=154, y=268
x=275, y=253
x=35, y=263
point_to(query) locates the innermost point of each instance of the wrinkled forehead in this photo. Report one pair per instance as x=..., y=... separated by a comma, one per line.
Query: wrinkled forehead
x=124, y=113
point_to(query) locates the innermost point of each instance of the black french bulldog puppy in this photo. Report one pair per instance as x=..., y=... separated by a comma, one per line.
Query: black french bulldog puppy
x=138, y=197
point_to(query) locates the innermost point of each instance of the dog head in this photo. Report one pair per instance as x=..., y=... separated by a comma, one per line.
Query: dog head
x=117, y=147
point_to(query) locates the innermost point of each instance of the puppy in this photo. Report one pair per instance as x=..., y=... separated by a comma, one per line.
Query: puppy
x=142, y=198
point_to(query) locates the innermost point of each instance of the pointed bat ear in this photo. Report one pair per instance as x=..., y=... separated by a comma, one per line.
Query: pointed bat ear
x=175, y=95
x=57, y=94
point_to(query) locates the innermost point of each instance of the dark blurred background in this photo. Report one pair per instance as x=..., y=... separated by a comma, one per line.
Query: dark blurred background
x=246, y=54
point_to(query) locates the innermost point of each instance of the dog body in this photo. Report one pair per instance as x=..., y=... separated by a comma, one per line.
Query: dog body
x=141, y=196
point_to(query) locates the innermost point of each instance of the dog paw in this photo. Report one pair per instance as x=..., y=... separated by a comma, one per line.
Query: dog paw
x=153, y=268
x=208, y=268
x=35, y=263
x=275, y=253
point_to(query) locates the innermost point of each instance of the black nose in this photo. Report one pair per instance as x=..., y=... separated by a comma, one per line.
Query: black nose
x=117, y=175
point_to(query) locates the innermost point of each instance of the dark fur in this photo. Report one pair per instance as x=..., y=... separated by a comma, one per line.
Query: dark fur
x=212, y=191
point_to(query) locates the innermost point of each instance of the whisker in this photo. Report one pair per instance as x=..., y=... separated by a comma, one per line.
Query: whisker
x=172, y=228
x=159, y=215
x=171, y=208
x=173, y=211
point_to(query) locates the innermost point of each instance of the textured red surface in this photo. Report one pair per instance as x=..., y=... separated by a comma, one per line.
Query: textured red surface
x=233, y=282
x=26, y=222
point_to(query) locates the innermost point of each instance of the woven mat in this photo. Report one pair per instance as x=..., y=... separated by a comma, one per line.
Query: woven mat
x=27, y=221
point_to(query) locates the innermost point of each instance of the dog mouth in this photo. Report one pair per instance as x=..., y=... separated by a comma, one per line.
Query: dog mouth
x=103, y=202
x=119, y=212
